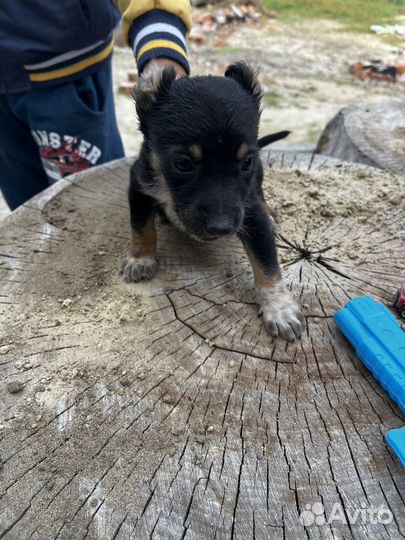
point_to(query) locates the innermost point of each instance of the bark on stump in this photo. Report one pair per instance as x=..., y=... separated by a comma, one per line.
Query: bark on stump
x=162, y=410
x=372, y=134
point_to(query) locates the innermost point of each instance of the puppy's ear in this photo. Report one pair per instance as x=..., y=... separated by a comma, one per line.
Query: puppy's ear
x=247, y=78
x=153, y=85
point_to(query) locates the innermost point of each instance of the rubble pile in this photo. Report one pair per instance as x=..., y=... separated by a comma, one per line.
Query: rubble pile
x=377, y=70
x=222, y=21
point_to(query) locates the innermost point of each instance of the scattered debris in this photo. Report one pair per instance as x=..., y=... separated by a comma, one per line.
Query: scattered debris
x=379, y=71
x=201, y=3
x=197, y=37
x=388, y=29
x=14, y=387
x=327, y=212
x=314, y=193
x=126, y=88
x=222, y=21
x=234, y=13
x=133, y=76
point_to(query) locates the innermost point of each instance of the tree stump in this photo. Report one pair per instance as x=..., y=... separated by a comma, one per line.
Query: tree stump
x=372, y=134
x=162, y=410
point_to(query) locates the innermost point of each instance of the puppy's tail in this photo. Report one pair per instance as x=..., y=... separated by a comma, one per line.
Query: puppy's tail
x=273, y=137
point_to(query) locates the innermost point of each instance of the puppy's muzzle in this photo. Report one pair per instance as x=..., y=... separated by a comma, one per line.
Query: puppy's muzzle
x=219, y=227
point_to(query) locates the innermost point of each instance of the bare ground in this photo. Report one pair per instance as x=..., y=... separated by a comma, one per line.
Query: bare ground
x=304, y=71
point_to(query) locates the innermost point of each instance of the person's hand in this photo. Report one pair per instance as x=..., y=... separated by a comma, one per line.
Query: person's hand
x=180, y=72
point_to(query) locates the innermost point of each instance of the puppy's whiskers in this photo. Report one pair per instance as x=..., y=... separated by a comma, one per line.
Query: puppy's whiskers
x=243, y=232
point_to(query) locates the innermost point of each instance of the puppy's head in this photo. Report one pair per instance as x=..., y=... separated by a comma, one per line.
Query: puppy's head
x=200, y=137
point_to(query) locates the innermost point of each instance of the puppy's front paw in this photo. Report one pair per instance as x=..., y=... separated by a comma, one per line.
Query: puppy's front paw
x=281, y=315
x=138, y=269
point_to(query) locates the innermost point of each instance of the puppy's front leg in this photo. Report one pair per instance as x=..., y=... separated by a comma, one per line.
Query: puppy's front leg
x=141, y=263
x=281, y=314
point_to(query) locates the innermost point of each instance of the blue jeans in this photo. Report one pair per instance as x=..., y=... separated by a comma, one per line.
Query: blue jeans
x=49, y=133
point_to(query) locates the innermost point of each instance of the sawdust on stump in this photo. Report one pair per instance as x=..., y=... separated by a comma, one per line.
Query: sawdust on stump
x=162, y=409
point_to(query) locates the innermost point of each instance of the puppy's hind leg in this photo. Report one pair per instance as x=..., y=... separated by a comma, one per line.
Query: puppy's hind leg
x=141, y=263
x=281, y=315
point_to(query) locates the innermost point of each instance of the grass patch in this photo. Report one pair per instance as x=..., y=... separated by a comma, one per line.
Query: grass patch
x=346, y=82
x=354, y=14
x=313, y=133
x=295, y=103
x=393, y=40
x=272, y=99
x=228, y=49
x=309, y=88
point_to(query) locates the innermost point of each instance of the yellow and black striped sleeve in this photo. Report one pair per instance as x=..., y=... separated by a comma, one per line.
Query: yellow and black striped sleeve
x=157, y=28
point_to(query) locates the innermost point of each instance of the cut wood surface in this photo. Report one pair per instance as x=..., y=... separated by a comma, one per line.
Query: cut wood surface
x=162, y=410
x=372, y=134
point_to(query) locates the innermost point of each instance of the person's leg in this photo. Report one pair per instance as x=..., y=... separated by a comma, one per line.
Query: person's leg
x=73, y=125
x=21, y=173
x=97, y=96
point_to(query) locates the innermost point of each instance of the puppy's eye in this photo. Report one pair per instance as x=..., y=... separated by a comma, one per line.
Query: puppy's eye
x=247, y=164
x=183, y=164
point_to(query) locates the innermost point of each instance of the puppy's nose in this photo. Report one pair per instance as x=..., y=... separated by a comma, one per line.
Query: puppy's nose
x=219, y=228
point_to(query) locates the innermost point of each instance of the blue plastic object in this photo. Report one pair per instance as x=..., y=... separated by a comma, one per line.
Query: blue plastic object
x=380, y=343
x=396, y=440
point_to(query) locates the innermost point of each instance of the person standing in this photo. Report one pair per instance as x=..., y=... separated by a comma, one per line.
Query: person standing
x=57, y=113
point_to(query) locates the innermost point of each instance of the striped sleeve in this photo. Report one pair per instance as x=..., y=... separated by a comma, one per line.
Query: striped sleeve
x=158, y=34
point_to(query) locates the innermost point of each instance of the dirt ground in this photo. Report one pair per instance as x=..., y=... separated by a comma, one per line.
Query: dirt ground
x=304, y=72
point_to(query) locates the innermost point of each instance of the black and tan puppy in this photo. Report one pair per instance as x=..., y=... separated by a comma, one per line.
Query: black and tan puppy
x=199, y=164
